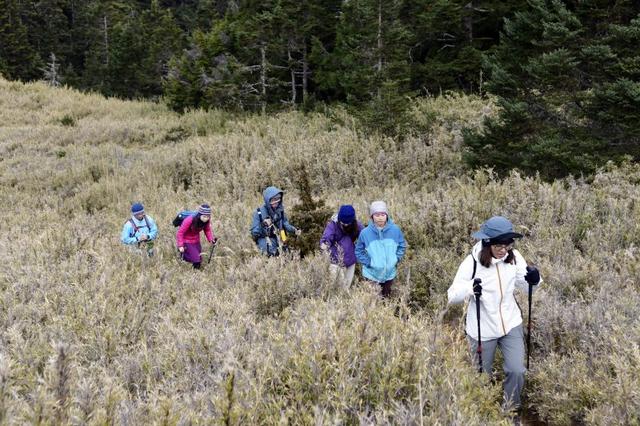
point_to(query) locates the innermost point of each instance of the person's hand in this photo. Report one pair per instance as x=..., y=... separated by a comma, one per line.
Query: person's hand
x=214, y=240
x=298, y=232
x=143, y=237
x=477, y=287
x=181, y=249
x=533, y=275
x=267, y=222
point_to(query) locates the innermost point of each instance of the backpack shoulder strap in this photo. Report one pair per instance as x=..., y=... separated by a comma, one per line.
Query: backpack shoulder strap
x=261, y=216
x=147, y=222
x=135, y=227
x=475, y=266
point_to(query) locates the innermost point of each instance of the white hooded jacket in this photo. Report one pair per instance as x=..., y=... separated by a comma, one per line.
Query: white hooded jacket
x=499, y=312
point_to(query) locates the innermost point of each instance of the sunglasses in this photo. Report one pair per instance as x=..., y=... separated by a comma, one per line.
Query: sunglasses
x=503, y=246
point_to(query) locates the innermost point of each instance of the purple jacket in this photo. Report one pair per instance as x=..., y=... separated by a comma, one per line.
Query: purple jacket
x=341, y=245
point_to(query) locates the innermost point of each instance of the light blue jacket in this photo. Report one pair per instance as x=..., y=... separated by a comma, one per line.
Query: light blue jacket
x=380, y=250
x=130, y=236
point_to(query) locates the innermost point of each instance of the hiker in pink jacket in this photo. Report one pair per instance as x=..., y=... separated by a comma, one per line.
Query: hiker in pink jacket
x=188, y=236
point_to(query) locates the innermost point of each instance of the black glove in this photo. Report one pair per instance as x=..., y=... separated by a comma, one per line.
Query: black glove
x=532, y=276
x=477, y=287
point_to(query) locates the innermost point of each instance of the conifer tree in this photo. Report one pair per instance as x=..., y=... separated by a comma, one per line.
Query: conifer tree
x=371, y=47
x=52, y=72
x=18, y=59
x=567, y=80
x=49, y=27
x=448, y=38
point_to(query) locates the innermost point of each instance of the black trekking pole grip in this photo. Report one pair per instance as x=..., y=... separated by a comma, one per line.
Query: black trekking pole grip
x=477, y=281
x=529, y=326
x=213, y=245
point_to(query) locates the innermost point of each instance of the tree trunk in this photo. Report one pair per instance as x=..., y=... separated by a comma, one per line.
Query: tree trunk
x=292, y=68
x=468, y=20
x=305, y=74
x=263, y=77
x=106, y=41
x=379, y=64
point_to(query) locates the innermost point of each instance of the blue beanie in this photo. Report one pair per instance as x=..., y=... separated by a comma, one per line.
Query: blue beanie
x=137, y=208
x=346, y=214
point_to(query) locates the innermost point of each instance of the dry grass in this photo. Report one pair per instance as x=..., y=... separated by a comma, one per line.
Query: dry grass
x=90, y=334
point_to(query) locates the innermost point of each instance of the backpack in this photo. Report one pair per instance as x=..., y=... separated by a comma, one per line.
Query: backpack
x=136, y=227
x=177, y=221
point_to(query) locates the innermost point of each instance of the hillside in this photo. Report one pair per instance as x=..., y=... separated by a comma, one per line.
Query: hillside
x=90, y=334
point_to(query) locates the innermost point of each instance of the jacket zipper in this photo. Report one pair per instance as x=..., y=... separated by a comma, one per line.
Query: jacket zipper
x=384, y=271
x=504, y=329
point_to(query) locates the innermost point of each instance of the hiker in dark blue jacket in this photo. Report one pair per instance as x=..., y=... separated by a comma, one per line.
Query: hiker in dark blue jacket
x=379, y=248
x=270, y=226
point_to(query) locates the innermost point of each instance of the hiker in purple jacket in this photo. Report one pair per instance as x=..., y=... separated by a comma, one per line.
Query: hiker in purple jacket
x=339, y=240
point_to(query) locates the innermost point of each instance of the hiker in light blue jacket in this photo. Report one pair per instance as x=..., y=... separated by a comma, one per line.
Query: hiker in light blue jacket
x=380, y=247
x=140, y=230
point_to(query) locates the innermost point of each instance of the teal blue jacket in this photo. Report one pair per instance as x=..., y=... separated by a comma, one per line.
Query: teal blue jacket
x=380, y=250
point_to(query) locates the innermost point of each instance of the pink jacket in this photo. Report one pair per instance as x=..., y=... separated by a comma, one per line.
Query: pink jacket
x=186, y=234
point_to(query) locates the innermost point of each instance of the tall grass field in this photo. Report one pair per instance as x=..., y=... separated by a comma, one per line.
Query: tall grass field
x=93, y=333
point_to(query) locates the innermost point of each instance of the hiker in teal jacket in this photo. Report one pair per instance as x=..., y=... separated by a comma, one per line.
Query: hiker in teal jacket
x=380, y=247
x=140, y=230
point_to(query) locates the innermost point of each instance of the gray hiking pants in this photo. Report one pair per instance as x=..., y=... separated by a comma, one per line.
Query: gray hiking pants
x=512, y=348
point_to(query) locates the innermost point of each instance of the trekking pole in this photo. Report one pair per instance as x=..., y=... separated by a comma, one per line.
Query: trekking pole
x=529, y=325
x=213, y=245
x=479, y=349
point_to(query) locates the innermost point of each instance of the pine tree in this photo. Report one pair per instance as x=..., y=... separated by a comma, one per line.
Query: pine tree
x=48, y=27
x=568, y=82
x=18, y=60
x=308, y=29
x=52, y=71
x=163, y=39
x=371, y=47
x=241, y=63
x=208, y=75
x=448, y=38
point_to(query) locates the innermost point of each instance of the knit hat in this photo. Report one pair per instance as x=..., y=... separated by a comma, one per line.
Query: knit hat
x=496, y=229
x=205, y=210
x=346, y=214
x=137, y=208
x=378, y=207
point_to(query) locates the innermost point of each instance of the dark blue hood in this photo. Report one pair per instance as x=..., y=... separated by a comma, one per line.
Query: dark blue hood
x=268, y=194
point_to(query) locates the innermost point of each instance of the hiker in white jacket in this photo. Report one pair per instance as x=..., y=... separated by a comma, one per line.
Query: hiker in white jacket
x=502, y=269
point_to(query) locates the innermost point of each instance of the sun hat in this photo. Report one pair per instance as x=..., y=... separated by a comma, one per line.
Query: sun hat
x=498, y=228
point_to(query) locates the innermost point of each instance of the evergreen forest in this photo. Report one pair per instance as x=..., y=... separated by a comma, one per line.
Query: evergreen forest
x=565, y=73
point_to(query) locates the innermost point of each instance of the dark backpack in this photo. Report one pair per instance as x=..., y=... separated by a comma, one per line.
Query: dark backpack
x=177, y=221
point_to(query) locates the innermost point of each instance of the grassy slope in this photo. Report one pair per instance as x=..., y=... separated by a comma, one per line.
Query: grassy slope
x=90, y=333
